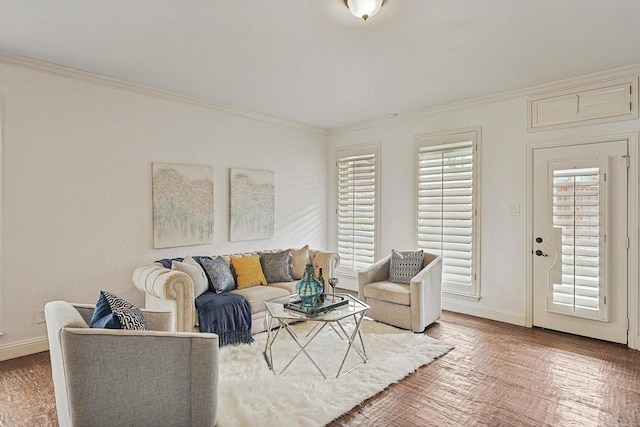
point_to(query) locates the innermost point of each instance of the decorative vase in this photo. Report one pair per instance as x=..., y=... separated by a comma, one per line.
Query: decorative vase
x=309, y=288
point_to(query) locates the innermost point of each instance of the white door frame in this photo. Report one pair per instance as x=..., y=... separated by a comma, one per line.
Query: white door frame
x=633, y=216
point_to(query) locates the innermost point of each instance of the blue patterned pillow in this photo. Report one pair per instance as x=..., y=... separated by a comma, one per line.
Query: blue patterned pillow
x=103, y=317
x=112, y=312
x=276, y=266
x=167, y=262
x=404, y=267
x=220, y=277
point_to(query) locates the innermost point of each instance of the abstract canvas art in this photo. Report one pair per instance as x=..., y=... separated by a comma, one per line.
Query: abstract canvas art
x=182, y=205
x=252, y=204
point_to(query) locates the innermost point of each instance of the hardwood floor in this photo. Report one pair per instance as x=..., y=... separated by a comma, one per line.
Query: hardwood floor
x=497, y=375
x=26, y=392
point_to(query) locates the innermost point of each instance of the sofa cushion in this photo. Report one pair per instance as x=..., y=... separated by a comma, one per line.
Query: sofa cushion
x=112, y=312
x=290, y=287
x=299, y=261
x=195, y=271
x=248, y=271
x=396, y=293
x=257, y=295
x=404, y=267
x=220, y=277
x=275, y=266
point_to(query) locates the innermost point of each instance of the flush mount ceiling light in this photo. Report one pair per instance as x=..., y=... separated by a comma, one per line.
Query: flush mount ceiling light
x=364, y=9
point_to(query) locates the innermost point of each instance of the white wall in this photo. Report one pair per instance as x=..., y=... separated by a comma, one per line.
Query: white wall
x=76, y=182
x=77, y=186
x=504, y=253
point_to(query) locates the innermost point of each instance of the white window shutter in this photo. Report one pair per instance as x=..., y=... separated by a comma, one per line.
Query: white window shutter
x=357, y=178
x=446, y=206
x=577, y=208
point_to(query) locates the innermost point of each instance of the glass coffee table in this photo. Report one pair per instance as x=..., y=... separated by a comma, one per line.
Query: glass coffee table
x=280, y=318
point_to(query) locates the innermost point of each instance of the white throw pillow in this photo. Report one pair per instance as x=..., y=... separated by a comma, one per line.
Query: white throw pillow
x=193, y=269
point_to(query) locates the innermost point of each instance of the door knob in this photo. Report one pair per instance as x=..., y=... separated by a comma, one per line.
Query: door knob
x=539, y=253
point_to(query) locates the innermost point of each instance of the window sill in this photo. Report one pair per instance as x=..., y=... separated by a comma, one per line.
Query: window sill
x=460, y=296
x=346, y=273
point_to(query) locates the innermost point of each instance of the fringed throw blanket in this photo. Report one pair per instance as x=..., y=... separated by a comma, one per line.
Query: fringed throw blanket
x=227, y=315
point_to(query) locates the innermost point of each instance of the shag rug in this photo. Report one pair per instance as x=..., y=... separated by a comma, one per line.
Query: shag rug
x=250, y=394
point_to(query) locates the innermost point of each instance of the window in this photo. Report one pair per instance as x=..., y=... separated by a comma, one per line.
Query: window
x=447, y=206
x=578, y=206
x=601, y=102
x=357, y=207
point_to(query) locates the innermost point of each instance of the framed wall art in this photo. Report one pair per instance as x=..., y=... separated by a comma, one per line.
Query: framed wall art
x=251, y=204
x=182, y=205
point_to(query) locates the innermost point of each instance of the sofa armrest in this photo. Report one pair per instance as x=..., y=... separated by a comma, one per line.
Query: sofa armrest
x=328, y=261
x=178, y=372
x=376, y=272
x=431, y=275
x=160, y=282
x=426, y=294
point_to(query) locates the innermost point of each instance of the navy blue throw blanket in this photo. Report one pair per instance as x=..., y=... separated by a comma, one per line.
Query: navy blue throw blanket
x=228, y=315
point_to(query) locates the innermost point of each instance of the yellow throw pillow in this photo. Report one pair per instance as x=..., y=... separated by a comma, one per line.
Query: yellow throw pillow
x=248, y=271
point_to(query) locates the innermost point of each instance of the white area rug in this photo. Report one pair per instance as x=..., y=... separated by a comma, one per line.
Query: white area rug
x=252, y=395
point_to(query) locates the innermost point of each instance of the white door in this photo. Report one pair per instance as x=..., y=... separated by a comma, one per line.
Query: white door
x=580, y=239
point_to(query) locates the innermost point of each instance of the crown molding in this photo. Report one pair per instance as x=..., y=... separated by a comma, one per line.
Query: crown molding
x=50, y=68
x=503, y=96
x=47, y=67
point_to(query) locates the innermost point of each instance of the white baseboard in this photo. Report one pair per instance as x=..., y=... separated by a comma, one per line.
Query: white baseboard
x=472, y=310
x=24, y=348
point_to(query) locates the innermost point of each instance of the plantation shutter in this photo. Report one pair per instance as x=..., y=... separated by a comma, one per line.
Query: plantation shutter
x=357, y=177
x=577, y=216
x=446, y=206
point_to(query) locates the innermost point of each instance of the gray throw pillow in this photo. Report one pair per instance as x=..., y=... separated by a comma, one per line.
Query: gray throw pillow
x=219, y=273
x=275, y=266
x=404, y=267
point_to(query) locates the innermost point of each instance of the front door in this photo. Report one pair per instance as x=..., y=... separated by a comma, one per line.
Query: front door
x=580, y=239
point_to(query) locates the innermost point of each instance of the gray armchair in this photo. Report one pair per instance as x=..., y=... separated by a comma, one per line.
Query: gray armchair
x=109, y=377
x=414, y=306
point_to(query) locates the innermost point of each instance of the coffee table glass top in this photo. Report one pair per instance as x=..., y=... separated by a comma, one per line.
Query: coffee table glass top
x=277, y=310
x=279, y=318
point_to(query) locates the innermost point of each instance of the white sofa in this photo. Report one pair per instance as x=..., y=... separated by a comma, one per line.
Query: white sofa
x=173, y=290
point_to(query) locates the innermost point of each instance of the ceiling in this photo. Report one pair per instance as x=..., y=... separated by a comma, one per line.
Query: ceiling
x=312, y=62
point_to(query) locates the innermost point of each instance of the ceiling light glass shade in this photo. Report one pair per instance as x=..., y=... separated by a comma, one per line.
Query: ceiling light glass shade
x=364, y=9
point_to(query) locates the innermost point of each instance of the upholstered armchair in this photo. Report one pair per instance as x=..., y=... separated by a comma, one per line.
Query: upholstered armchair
x=115, y=377
x=412, y=306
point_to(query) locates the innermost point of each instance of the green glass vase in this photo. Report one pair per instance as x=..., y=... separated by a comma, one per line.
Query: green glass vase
x=309, y=289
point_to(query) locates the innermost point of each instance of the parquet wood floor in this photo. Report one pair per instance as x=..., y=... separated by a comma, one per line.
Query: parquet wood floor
x=497, y=375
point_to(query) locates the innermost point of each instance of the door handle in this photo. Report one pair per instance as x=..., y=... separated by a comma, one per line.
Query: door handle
x=539, y=253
